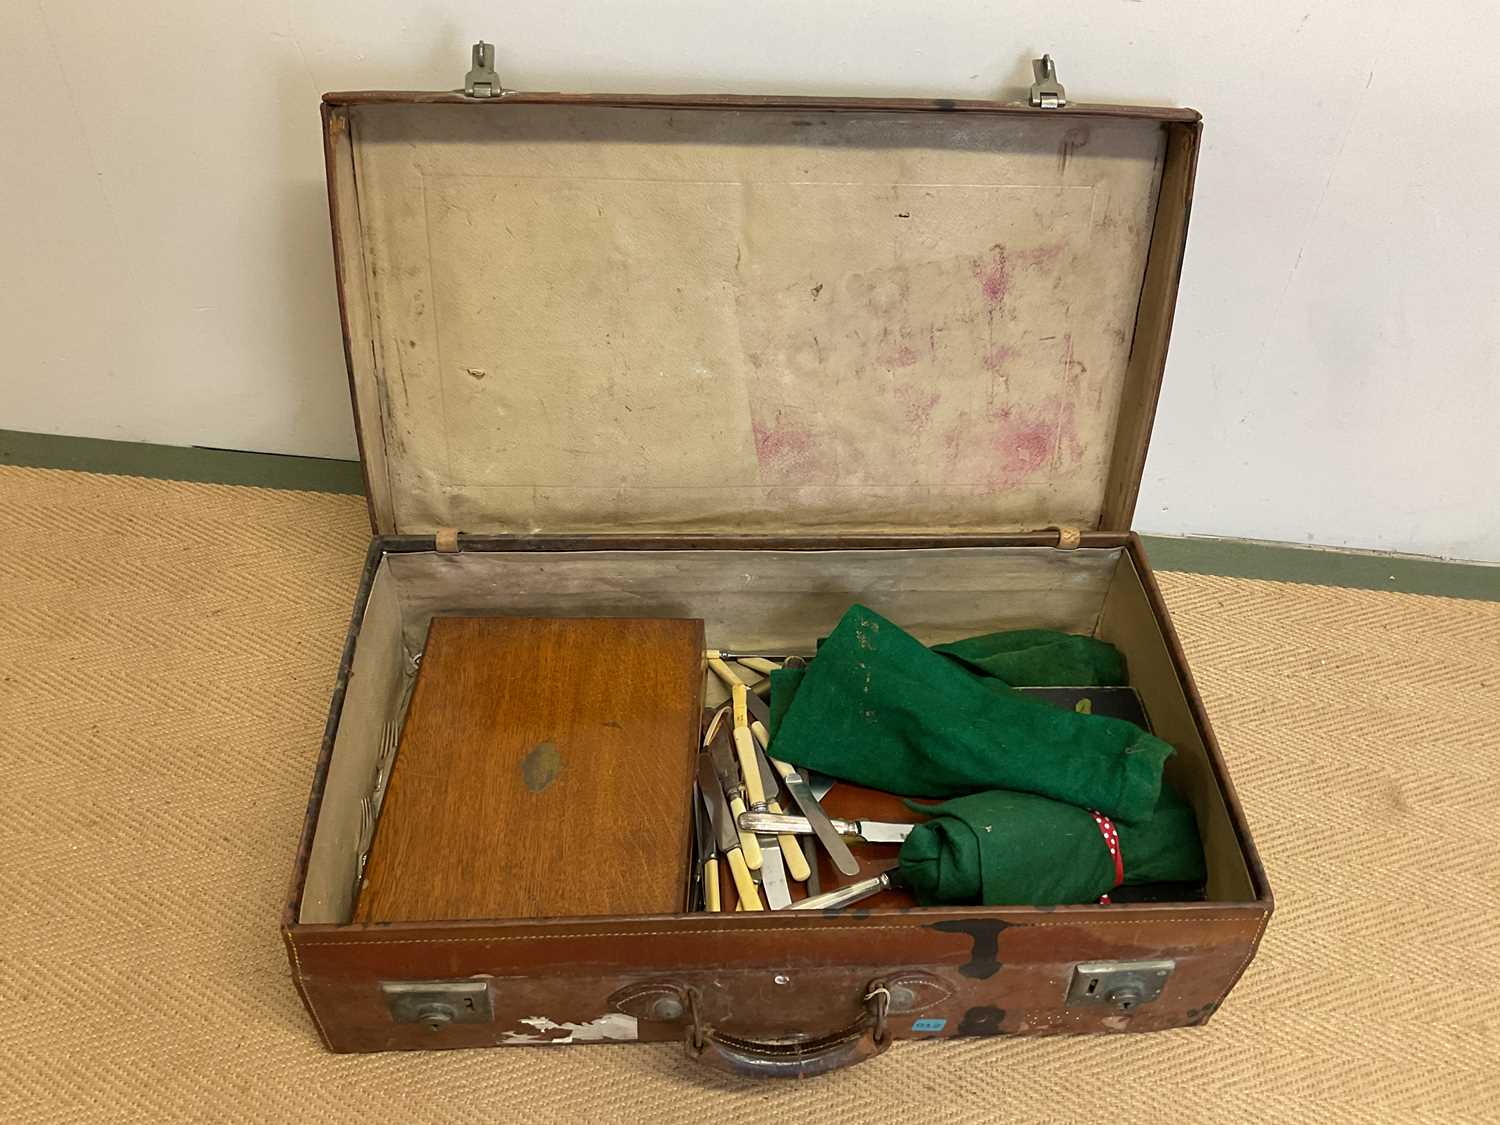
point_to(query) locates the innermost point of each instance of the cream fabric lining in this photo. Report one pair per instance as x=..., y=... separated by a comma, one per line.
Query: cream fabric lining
x=371, y=699
x=770, y=600
x=580, y=318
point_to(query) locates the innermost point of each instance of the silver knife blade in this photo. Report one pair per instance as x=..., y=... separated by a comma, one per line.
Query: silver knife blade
x=770, y=780
x=870, y=831
x=703, y=830
x=838, y=851
x=759, y=709
x=819, y=783
x=773, y=874
x=882, y=831
x=773, y=863
x=718, y=806
x=721, y=752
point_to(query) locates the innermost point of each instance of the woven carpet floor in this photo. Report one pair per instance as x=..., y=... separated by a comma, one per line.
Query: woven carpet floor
x=166, y=653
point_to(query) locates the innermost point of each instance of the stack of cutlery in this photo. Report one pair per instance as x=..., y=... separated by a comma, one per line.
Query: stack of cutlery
x=740, y=819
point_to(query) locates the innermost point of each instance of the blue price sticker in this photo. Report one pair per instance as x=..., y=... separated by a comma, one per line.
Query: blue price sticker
x=928, y=1025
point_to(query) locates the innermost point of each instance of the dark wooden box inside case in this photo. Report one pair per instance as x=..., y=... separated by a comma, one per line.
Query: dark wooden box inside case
x=749, y=360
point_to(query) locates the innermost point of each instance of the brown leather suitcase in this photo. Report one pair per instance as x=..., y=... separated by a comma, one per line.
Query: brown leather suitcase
x=751, y=359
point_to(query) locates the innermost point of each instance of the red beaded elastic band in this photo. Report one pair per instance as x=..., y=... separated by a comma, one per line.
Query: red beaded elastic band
x=1112, y=842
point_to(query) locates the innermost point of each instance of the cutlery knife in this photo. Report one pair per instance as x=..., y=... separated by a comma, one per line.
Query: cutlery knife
x=728, y=839
x=827, y=835
x=724, y=766
x=708, y=853
x=772, y=866
x=797, y=863
x=761, y=730
x=791, y=848
x=870, y=831
x=844, y=896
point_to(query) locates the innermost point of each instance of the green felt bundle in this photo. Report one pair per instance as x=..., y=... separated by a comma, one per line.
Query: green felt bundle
x=1039, y=658
x=1017, y=849
x=878, y=708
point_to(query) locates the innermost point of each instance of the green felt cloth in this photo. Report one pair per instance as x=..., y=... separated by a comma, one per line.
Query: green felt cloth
x=1017, y=849
x=1018, y=658
x=1039, y=658
x=878, y=708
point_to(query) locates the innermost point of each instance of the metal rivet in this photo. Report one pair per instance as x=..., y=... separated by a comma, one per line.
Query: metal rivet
x=783, y=979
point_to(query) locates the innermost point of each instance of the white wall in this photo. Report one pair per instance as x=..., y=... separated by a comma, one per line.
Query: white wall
x=164, y=244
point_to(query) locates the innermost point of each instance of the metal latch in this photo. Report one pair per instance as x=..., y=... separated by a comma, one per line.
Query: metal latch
x=437, y=1003
x=1122, y=985
x=1047, y=92
x=482, y=81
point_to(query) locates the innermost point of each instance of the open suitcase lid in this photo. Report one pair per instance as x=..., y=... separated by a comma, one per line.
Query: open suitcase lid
x=787, y=316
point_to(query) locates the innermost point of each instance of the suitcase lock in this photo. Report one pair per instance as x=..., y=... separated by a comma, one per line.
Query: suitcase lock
x=1123, y=985
x=437, y=1003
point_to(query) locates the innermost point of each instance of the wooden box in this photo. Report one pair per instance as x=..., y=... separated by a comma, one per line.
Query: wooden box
x=520, y=737
x=751, y=359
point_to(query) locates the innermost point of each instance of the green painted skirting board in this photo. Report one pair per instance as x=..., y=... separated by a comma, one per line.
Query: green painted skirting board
x=1323, y=566
x=1236, y=558
x=176, y=462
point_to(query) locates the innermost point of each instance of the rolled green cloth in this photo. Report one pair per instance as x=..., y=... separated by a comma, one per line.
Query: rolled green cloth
x=878, y=708
x=1039, y=658
x=1017, y=849
x=1011, y=659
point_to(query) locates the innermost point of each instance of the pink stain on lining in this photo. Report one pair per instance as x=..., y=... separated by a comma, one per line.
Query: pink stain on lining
x=1007, y=445
x=900, y=356
x=918, y=408
x=996, y=273
x=1026, y=448
x=996, y=357
x=787, y=452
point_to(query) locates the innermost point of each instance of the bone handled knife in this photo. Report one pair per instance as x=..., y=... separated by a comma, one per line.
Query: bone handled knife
x=744, y=745
x=728, y=839
x=761, y=732
x=773, y=867
x=797, y=864
x=708, y=852
x=724, y=766
x=845, y=896
x=723, y=670
x=803, y=864
x=822, y=827
x=758, y=664
x=870, y=831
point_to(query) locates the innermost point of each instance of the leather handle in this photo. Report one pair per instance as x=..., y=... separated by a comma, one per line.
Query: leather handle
x=865, y=1038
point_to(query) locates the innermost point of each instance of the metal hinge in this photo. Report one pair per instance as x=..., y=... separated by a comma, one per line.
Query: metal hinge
x=1047, y=92
x=482, y=81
